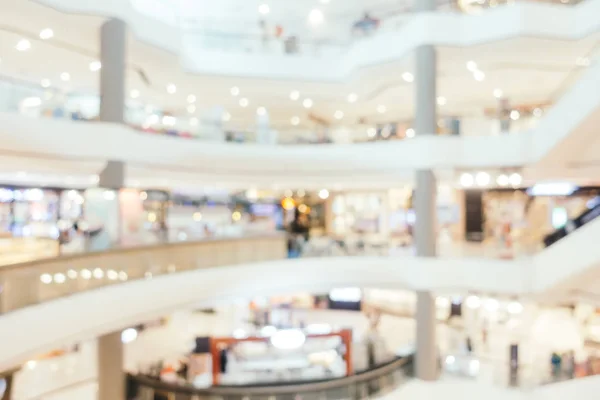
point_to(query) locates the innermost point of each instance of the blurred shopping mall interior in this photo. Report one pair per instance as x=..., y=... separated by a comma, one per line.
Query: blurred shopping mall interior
x=299, y=199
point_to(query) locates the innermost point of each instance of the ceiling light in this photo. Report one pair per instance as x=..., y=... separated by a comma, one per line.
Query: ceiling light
x=491, y=305
x=23, y=45
x=515, y=179
x=307, y=103
x=552, y=189
x=466, y=180
x=194, y=121
x=294, y=95
x=191, y=109
x=472, y=66
x=295, y=121
x=515, y=115
x=339, y=114
x=235, y=91
x=46, y=34
x=85, y=274
x=45, y=83
x=479, y=76
x=171, y=88
x=244, y=102
x=498, y=93
x=514, y=307
x=261, y=111
x=583, y=62
x=226, y=117
x=324, y=194
x=29, y=102
x=502, y=180
x=46, y=279
x=169, y=120
x=410, y=133
x=381, y=109
x=371, y=132
x=264, y=9
x=129, y=335
x=482, y=179
x=537, y=112
x=473, y=302
x=408, y=77
x=191, y=98
x=95, y=66
x=134, y=94
x=316, y=17
x=65, y=77
x=352, y=98
x=441, y=101
x=98, y=273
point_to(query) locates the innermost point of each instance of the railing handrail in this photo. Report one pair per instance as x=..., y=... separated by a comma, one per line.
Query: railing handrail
x=142, y=247
x=309, y=386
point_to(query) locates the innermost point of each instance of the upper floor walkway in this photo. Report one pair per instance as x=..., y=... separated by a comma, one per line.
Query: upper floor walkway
x=78, y=297
x=336, y=59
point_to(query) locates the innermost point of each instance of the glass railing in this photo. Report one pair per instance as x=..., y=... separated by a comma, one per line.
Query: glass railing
x=30, y=100
x=372, y=383
x=35, y=282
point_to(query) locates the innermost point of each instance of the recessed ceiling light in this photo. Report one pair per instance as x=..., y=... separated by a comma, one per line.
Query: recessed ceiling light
x=371, y=132
x=381, y=109
x=502, y=180
x=410, y=133
x=583, y=62
x=45, y=83
x=235, y=91
x=339, y=114
x=226, y=117
x=171, y=88
x=191, y=98
x=134, y=94
x=441, y=101
x=515, y=179
x=264, y=9
x=467, y=180
x=472, y=66
x=307, y=103
x=23, y=45
x=46, y=34
x=244, y=102
x=482, y=179
x=65, y=77
x=95, y=66
x=261, y=111
x=191, y=108
x=408, y=77
x=479, y=76
x=498, y=93
x=316, y=17
x=352, y=98
x=294, y=95
x=295, y=121
x=515, y=115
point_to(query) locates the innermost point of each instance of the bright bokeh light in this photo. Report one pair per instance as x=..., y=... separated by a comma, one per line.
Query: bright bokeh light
x=129, y=335
x=288, y=339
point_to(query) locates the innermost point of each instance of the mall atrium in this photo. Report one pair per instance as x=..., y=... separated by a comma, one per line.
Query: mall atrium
x=299, y=199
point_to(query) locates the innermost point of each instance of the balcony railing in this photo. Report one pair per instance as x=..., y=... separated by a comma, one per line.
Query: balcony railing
x=35, y=282
x=375, y=382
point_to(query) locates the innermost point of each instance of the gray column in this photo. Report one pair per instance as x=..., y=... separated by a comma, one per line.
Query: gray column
x=425, y=202
x=113, y=38
x=111, y=377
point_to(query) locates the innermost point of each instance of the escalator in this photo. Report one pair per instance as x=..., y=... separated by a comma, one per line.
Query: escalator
x=587, y=216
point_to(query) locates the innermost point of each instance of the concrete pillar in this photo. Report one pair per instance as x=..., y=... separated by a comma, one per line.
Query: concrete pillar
x=111, y=377
x=425, y=202
x=113, y=38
